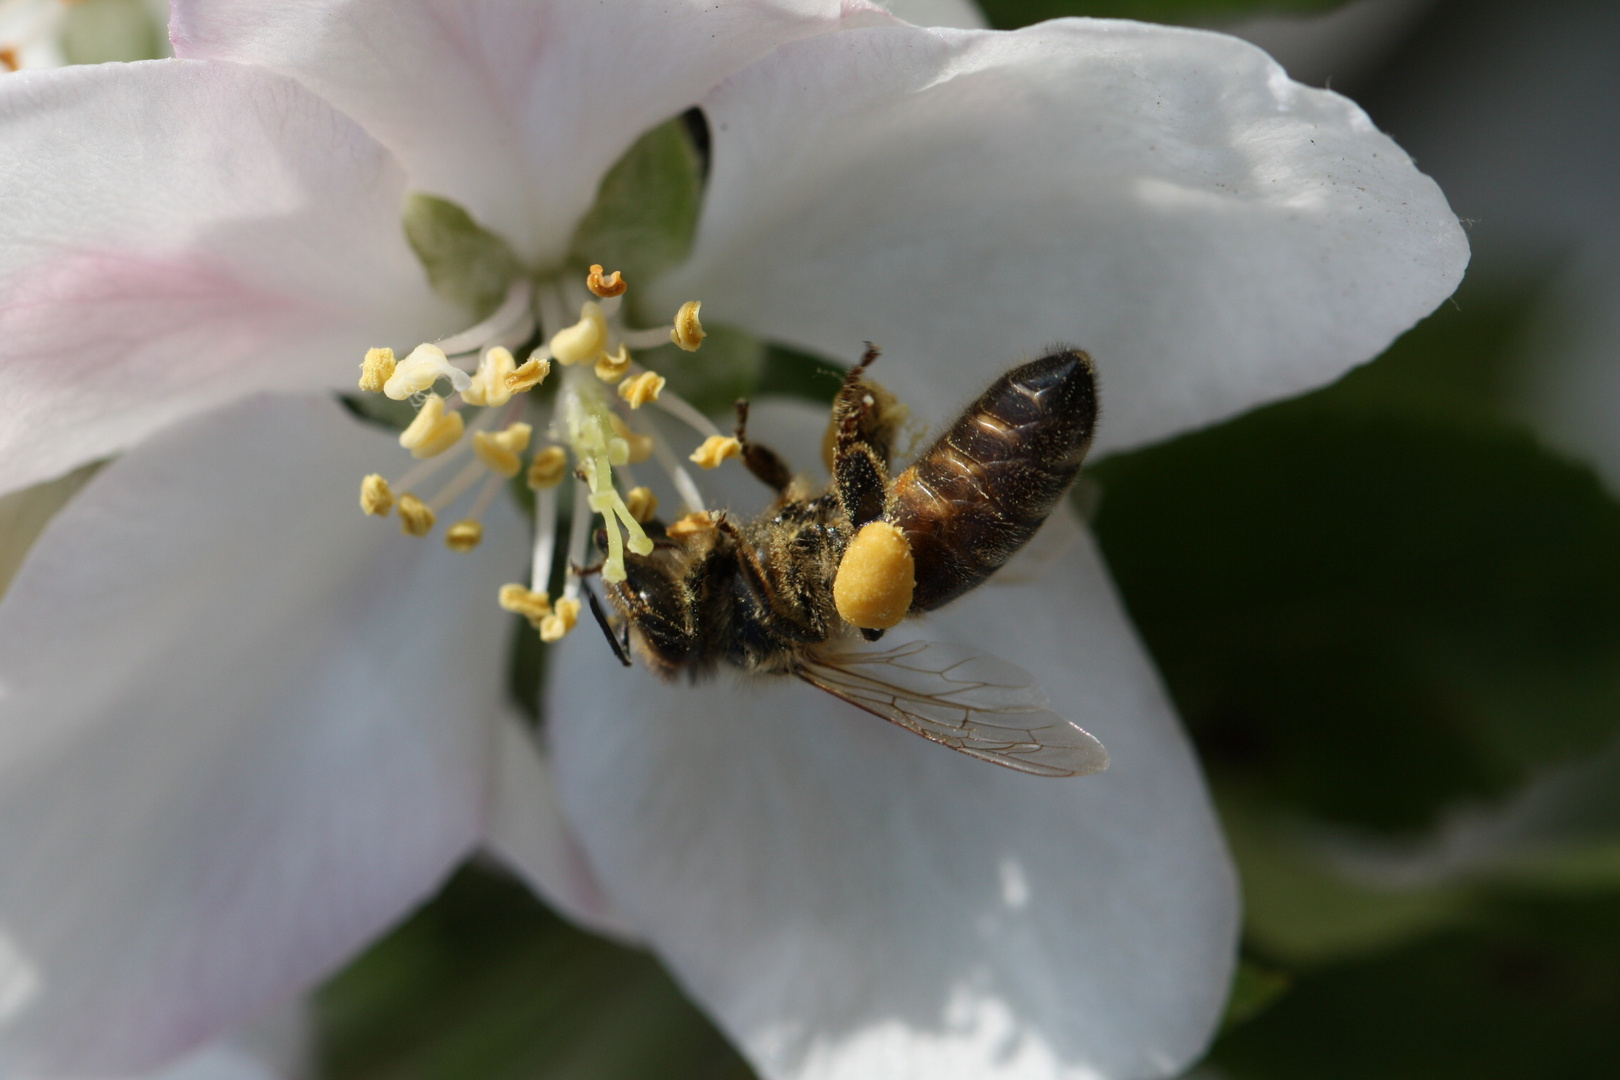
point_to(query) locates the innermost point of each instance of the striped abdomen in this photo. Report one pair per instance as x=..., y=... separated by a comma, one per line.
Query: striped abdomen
x=983, y=489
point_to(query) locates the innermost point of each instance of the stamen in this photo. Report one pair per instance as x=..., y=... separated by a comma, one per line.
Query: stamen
x=418, y=372
x=531, y=374
x=512, y=323
x=458, y=485
x=553, y=627
x=8, y=58
x=433, y=431
x=491, y=383
x=715, y=449
x=693, y=524
x=464, y=535
x=638, y=447
x=376, y=497
x=611, y=285
x=641, y=503
x=415, y=517
x=688, y=332
x=534, y=606
x=611, y=367
x=684, y=411
x=585, y=340
x=642, y=389
x=376, y=369
x=500, y=451
x=685, y=486
x=548, y=467
x=545, y=537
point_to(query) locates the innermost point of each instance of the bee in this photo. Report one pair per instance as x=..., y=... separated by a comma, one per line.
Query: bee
x=807, y=587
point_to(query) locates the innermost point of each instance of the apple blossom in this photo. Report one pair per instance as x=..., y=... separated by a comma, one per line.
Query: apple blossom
x=243, y=728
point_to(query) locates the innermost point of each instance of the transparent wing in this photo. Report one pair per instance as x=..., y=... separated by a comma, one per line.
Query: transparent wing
x=977, y=704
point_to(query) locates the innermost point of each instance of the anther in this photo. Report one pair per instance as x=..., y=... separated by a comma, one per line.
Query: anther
x=876, y=577
x=418, y=372
x=433, y=431
x=491, y=383
x=715, y=449
x=560, y=621
x=376, y=369
x=641, y=503
x=609, y=286
x=585, y=340
x=688, y=332
x=416, y=518
x=693, y=524
x=534, y=606
x=500, y=451
x=548, y=468
x=611, y=367
x=463, y=535
x=530, y=375
x=639, y=447
x=9, y=59
x=642, y=389
x=376, y=497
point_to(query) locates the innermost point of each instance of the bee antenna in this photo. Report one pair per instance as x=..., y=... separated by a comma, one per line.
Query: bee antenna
x=872, y=352
x=622, y=651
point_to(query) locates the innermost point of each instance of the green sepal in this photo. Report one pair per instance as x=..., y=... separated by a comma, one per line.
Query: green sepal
x=108, y=31
x=465, y=262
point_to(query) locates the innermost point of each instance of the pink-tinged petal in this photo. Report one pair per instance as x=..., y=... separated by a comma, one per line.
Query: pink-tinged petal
x=178, y=234
x=1214, y=234
x=850, y=901
x=243, y=728
x=513, y=108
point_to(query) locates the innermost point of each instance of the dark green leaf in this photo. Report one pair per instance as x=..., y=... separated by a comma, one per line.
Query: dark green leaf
x=1254, y=990
x=465, y=262
x=106, y=31
x=1008, y=14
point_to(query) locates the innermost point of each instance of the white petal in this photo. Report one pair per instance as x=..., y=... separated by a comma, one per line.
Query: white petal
x=177, y=234
x=242, y=729
x=1215, y=235
x=512, y=108
x=850, y=901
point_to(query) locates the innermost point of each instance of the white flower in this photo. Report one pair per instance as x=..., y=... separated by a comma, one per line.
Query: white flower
x=243, y=728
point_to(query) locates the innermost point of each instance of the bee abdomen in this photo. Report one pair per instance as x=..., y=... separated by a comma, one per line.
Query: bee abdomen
x=983, y=489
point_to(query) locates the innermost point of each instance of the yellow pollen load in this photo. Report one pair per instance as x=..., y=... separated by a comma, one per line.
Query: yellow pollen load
x=491, y=383
x=688, y=332
x=500, y=452
x=376, y=369
x=534, y=606
x=605, y=286
x=612, y=367
x=548, y=468
x=693, y=524
x=642, y=504
x=642, y=389
x=554, y=626
x=715, y=449
x=530, y=375
x=463, y=535
x=416, y=518
x=876, y=578
x=638, y=447
x=584, y=341
x=417, y=373
x=433, y=431
x=376, y=497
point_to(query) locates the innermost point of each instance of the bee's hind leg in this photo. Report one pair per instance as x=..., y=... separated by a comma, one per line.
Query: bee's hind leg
x=762, y=461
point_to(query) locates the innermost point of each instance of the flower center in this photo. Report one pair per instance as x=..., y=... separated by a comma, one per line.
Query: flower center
x=489, y=411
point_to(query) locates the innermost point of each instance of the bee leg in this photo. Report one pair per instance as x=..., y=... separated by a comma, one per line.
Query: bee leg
x=858, y=475
x=762, y=461
x=620, y=650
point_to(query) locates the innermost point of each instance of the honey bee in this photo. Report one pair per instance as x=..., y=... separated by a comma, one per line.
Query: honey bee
x=796, y=590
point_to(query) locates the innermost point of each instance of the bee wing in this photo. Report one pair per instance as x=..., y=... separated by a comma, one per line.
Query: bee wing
x=979, y=705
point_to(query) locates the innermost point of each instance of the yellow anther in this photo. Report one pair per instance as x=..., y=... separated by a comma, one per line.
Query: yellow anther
x=638, y=447
x=610, y=285
x=548, y=468
x=693, y=524
x=688, y=332
x=642, y=389
x=642, y=504
x=500, y=451
x=376, y=497
x=534, y=606
x=426, y=365
x=584, y=341
x=416, y=518
x=715, y=449
x=376, y=369
x=530, y=375
x=433, y=431
x=463, y=535
x=9, y=58
x=876, y=577
x=491, y=383
x=611, y=367
x=560, y=621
